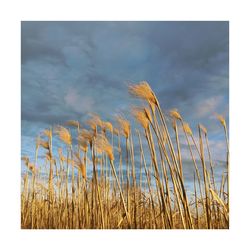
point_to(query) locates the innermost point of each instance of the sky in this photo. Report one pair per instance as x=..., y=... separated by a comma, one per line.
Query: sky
x=69, y=69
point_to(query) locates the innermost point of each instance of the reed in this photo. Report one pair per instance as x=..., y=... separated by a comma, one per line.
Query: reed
x=151, y=195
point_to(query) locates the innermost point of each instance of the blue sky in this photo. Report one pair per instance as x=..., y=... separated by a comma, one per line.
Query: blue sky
x=72, y=68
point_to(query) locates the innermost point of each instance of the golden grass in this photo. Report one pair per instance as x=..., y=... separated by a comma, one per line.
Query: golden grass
x=124, y=126
x=142, y=116
x=105, y=197
x=187, y=128
x=64, y=134
x=175, y=114
x=143, y=91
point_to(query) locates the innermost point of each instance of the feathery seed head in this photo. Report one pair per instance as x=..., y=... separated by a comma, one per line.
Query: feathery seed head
x=124, y=125
x=83, y=142
x=203, y=129
x=102, y=145
x=140, y=116
x=175, y=114
x=63, y=134
x=42, y=143
x=187, y=129
x=73, y=123
x=31, y=167
x=85, y=136
x=48, y=133
x=28, y=164
x=25, y=159
x=143, y=91
x=222, y=120
x=107, y=126
x=94, y=121
x=80, y=164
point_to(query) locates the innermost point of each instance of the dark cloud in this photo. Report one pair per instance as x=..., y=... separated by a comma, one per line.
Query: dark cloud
x=72, y=68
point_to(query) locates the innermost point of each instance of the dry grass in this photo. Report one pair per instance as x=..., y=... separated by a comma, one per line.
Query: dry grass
x=86, y=187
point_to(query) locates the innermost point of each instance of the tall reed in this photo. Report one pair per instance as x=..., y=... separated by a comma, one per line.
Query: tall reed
x=153, y=192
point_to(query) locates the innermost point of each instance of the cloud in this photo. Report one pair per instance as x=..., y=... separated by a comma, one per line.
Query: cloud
x=80, y=104
x=208, y=107
x=72, y=68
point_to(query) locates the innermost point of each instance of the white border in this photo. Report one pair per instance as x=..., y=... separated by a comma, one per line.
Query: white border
x=12, y=12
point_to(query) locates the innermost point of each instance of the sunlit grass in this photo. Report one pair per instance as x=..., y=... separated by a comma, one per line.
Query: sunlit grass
x=68, y=197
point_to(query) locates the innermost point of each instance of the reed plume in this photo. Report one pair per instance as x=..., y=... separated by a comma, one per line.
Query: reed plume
x=203, y=129
x=141, y=116
x=93, y=122
x=107, y=126
x=102, y=145
x=63, y=134
x=159, y=198
x=48, y=133
x=175, y=114
x=124, y=125
x=29, y=165
x=143, y=91
x=73, y=123
x=81, y=165
x=187, y=128
x=42, y=143
x=222, y=120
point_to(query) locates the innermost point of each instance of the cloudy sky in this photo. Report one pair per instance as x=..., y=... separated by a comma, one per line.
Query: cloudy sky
x=72, y=68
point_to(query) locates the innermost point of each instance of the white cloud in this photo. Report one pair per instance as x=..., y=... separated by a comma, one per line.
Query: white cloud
x=208, y=106
x=77, y=102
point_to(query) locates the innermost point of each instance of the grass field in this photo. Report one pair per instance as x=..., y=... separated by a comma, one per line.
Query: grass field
x=150, y=193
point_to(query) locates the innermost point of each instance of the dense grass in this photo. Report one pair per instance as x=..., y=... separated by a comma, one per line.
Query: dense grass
x=69, y=197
